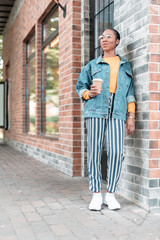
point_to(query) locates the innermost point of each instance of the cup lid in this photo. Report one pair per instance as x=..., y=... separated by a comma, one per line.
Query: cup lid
x=98, y=79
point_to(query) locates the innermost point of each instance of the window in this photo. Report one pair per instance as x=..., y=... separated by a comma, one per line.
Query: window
x=50, y=75
x=2, y=104
x=103, y=18
x=30, y=86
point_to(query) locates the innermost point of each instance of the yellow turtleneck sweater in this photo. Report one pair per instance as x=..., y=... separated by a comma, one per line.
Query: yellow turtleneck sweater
x=114, y=63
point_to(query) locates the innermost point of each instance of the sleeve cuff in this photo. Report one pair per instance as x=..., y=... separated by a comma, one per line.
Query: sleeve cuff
x=82, y=92
x=131, y=107
x=131, y=98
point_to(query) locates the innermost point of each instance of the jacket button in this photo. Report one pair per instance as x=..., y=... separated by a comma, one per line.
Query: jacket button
x=107, y=86
x=105, y=101
x=104, y=116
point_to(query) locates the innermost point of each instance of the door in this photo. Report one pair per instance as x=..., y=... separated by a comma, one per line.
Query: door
x=2, y=105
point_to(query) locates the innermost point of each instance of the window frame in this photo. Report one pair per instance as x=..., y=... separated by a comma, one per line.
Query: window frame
x=43, y=45
x=98, y=13
x=27, y=61
x=54, y=34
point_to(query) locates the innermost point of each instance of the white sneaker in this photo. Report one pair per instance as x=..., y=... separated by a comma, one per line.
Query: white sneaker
x=111, y=202
x=96, y=202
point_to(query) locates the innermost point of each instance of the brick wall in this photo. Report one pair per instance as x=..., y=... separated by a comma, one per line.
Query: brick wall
x=85, y=58
x=154, y=104
x=87, y=53
x=138, y=24
x=25, y=19
x=70, y=67
x=132, y=21
x=140, y=176
x=137, y=21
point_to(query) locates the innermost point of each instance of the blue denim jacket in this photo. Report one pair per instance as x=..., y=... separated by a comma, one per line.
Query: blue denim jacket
x=98, y=106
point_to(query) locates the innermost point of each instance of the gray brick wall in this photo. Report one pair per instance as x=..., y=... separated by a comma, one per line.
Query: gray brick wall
x=132, y=21
x=55, y=160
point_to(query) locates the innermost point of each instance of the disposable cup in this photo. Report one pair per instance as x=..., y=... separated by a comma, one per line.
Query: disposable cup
x=98, y=83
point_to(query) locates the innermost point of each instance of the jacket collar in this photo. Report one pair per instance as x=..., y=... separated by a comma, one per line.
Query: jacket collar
x=100, y=60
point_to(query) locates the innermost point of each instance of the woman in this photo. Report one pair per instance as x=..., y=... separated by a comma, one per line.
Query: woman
x=107, y=111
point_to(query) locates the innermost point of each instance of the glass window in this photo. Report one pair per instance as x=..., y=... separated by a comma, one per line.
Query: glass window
x=30, y=86
x=104, y=18
x=97, y=32
x=107, y=2
x=101, y=27
x=31, y=47
x=111, y=16
x=96, y=6
x=101, y=5
x=2, y=104
x=50, y=76
x=50, y=26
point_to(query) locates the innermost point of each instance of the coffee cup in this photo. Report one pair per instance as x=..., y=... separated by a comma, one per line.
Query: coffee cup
x=98, y=83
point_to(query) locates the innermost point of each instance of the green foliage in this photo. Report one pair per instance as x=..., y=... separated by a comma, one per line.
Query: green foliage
x=52, y=125
x=32, y=120
x=52, y=58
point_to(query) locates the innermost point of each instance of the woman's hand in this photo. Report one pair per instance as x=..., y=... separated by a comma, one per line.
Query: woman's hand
x=130, y=126
x=93, y=91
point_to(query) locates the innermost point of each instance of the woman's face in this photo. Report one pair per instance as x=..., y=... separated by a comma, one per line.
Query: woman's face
x=109, y=41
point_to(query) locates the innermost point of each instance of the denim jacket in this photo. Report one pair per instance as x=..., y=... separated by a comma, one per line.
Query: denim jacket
x=98, y=106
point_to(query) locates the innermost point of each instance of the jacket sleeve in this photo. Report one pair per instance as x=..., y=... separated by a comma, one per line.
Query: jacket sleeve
x=130, y=94
x=84, y=81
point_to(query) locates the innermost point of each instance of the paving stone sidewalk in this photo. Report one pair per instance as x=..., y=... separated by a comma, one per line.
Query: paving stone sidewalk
x=38, y=202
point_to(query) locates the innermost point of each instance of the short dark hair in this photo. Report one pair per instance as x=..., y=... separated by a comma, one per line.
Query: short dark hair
x=116, y=33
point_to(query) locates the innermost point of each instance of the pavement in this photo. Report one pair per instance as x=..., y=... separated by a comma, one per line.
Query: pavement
x=37, y=202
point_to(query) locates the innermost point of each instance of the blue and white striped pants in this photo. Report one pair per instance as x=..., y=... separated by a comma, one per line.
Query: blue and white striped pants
x=96, y=128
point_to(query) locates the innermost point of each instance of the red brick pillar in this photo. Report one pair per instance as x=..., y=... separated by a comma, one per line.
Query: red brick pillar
x=154, y=87
x=70, y=67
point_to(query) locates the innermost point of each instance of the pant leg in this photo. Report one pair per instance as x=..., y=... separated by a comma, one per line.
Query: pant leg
x=115, y=139
x=95, y=134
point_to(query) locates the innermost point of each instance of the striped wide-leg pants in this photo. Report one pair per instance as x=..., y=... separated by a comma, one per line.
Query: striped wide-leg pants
x=96, y=128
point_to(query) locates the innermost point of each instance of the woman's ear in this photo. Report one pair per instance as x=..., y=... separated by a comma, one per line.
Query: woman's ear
x=117, y=42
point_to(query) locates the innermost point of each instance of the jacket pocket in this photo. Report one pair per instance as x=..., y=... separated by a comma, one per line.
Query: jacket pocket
x=95, y=71
x=129, y=72
x=128, y=79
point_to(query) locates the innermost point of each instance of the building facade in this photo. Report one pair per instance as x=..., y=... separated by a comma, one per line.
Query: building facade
x=44, y=52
